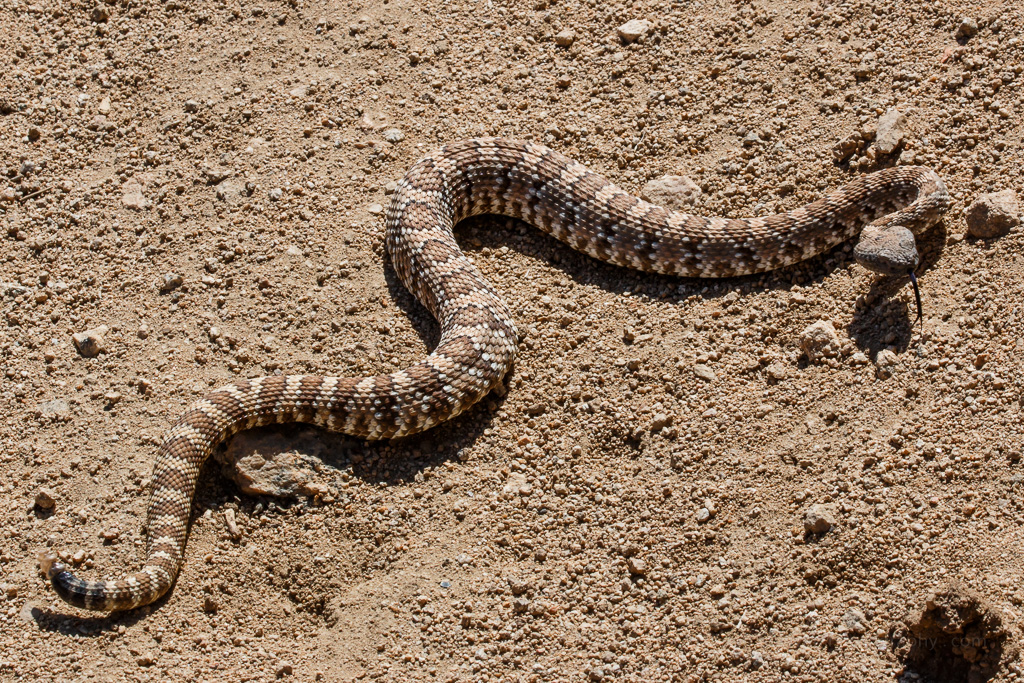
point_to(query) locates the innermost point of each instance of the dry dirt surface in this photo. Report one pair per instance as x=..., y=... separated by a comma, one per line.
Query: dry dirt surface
x=670, y=489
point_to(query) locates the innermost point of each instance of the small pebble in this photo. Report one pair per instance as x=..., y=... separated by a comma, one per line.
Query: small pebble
x=820, y=340
x=704, y=372
x=132, y=196
x=170, y=281
x=565, y=38
x=819, y=519
x=673, y=192
x=90, y=343
x=633, y=30
x=45, y=499
x=891, y=131
x=966, y=29
x=886, y=362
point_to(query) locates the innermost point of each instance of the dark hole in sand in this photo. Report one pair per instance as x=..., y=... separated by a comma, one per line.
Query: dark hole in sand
x=957, y=637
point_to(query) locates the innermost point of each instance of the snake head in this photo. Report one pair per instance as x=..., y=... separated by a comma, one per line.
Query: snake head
x=890, y=251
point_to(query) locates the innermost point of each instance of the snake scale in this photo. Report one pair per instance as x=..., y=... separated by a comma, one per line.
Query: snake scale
x=531, y=182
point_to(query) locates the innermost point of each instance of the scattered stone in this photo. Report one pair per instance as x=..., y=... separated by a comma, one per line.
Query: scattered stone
x=234, y=190
x=673, y=192
x=854, y=622
x=91, y=343
x=820, y=340
x=132, y=196
x=777, y=371
x=55, y=407
x=633, y=30
x=45, y=499
x=170, y=281
x=704, y=372
x=565, y=38
x=993, y=214
x=892, y=128
x=110, y=535
x=214, y=175
x=859, y=358
x=636, y=566
x=191, y=106
x=966, y=29
x=232, y=524
x=100, y=14
x=660, y=421
x=146, y=659
x=886, y=363
x=104, y=107
x=819, y=519
x=393, y=135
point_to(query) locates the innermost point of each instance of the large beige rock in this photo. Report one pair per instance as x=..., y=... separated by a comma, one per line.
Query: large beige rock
x=289, y=463
x=993, y=214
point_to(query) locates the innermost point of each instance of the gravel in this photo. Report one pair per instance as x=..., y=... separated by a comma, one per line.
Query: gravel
x=561, y=481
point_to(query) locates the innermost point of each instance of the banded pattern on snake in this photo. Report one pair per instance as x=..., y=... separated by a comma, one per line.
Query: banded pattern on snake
x=478, y=336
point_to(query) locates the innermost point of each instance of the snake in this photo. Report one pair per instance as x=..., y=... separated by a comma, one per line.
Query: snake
x=531, y=182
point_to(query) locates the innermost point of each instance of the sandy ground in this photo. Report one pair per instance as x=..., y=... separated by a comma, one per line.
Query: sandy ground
x=634, y=507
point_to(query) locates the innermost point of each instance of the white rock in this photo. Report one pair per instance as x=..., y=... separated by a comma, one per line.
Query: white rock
x=634, y=30
x=132, y=196
x=819, y=519
x=891, y=129
x=885, y=363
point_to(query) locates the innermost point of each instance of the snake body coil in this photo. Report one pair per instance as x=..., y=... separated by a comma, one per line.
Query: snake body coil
x=478, y=336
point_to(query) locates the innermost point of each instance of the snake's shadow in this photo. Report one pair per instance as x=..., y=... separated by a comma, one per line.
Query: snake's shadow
x=89, y=627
